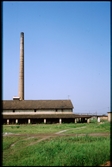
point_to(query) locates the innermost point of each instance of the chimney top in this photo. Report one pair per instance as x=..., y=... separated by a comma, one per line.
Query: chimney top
x=22, y=33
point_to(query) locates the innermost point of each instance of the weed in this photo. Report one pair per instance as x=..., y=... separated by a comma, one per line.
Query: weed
x=17, y=126
x=59, y=151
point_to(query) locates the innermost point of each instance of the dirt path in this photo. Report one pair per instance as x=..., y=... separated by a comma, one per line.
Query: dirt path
x=108, y=163
x=48, y=136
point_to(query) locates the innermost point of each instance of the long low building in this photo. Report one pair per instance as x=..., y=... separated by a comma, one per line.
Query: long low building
x=38, y=106
x=40, y=111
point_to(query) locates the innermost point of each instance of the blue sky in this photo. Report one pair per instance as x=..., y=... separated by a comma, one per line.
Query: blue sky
x=67, y=52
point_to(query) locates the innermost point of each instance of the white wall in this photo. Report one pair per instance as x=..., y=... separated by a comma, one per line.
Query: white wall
x=59, y=111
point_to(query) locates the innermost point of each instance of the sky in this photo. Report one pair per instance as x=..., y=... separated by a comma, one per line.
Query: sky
x=66, y=52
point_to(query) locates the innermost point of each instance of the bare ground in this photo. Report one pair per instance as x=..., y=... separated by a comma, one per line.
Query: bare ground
x=49, y=136
x=108, y=163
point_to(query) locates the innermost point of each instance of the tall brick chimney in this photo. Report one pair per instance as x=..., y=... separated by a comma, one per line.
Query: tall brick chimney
x=21, y=72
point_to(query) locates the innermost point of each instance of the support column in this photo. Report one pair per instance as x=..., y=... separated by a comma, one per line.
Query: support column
x=75, y=120
x=29, y=121
x=110, y=116
x=44, y=121
x=16, y=121
x=88, y=120
x=98, y=119
x=7, y=121
x=60, y=120
x=80, y=119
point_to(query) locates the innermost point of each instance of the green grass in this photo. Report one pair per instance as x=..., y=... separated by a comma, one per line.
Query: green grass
x=52, y=128
x=91, y=128
x=56, y=151
x=38, y=128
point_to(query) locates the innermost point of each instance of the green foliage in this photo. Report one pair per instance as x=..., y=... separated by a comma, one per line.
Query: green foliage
x=46, y=128
x=93, y=120
x=60, y=150
x=17, y=126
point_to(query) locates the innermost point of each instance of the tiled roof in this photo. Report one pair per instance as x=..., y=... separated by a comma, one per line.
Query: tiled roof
x=37, y=104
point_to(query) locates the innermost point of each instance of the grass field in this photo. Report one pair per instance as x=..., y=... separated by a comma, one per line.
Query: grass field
x=56, y=144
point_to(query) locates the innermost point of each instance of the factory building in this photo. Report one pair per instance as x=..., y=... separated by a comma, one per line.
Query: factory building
x=23, y=111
